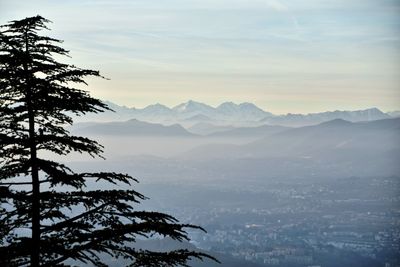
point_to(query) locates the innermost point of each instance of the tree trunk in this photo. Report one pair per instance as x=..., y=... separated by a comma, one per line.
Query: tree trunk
x=35, y=195
x=35, y=246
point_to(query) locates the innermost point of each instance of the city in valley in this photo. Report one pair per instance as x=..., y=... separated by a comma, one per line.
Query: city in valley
x=309, y=190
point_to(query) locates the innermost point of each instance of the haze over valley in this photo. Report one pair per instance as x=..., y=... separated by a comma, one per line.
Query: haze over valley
x=272, y=190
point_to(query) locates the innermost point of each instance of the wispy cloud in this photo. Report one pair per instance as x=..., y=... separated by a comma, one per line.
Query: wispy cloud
x=156, y=50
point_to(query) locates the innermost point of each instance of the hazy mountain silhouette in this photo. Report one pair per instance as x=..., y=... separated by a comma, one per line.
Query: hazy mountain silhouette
x=228, y=113
x=204, y=128
x=132, y=128
x=394, y=114
x=155, y=110
x=193, y=108
x=199, y=118
x=297, y=120
x=260, y=131
x=335, y=138
x=331, y=149
x=243, y=111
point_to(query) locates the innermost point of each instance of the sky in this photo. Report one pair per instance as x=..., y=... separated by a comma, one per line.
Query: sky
x=297, y=56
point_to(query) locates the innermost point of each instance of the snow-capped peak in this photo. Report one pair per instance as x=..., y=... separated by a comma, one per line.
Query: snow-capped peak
x=193, y=106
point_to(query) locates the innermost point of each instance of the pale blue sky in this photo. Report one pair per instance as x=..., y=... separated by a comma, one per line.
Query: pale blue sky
x=285, y=56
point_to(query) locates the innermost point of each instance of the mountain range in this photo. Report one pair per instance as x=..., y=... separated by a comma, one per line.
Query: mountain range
x=295, y=120
x=227, y=114
x=336, y=147
x=131, y=128
x=328, y=138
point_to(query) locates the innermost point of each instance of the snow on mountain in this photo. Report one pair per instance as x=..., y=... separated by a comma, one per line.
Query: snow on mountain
x=252, y=110
x=394, y=114
x=228, y=113
x=118, y=113
x=194, y=108
x=154, y=113
x=243, y=111
x=298, y=120
x=199, y=112
x=227, y=107
x=156, y=109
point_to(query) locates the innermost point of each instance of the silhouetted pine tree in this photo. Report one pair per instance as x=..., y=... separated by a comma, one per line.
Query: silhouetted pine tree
x=47, y=214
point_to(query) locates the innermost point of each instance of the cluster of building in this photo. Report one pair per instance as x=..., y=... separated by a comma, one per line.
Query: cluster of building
x=306, y=231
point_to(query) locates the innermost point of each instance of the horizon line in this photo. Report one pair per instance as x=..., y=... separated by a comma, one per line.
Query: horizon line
x=171, y=107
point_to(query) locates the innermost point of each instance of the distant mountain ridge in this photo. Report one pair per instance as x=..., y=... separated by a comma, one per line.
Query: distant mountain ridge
x=297, y=120
x=228, y=113
x=132, y=127
x=336, y=146
x=309, y=141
